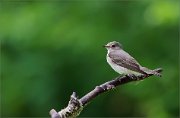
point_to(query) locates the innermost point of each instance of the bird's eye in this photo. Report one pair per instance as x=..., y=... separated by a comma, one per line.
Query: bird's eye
x=113, y=46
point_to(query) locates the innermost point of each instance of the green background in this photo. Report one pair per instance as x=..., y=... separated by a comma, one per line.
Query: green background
x=50, y=49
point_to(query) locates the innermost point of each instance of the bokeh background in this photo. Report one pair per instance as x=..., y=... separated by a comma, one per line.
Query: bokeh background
x=50, y=49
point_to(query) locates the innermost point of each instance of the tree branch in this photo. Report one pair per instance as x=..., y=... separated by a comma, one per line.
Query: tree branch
x=75, y=105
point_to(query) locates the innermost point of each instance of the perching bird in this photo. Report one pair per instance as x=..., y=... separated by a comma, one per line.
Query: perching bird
x=123, y=63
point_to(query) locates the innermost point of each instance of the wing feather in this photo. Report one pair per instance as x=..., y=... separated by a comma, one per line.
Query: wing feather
x=123, y=59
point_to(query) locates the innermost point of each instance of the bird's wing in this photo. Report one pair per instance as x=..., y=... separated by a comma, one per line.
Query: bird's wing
x=123, y=59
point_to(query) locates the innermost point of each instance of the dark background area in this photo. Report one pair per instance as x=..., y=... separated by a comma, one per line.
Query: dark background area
x=50, y=49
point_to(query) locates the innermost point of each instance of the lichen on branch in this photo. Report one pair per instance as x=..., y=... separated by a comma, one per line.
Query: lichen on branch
x=75, y=105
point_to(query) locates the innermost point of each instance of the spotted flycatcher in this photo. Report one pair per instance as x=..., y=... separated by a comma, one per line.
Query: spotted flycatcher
x=123, y=63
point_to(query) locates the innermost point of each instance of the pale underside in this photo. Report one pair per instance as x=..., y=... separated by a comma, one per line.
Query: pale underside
x=119, y=69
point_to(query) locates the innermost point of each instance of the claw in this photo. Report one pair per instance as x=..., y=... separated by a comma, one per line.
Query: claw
x=132, y=76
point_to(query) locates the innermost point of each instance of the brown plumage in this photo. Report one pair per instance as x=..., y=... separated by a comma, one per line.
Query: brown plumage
x=123, y=63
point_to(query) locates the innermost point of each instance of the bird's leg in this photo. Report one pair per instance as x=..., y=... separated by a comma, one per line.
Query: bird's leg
x=119, y=77
x=132, y=76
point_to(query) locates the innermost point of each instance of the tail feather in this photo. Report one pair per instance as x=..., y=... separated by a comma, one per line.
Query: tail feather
x=156, y=72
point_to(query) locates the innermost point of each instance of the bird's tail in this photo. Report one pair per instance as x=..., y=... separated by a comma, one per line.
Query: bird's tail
x=156, y=72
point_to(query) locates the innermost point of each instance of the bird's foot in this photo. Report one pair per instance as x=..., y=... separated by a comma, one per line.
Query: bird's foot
x=132, y=76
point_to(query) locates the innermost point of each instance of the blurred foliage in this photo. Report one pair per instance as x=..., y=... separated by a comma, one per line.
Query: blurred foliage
x=50, y=49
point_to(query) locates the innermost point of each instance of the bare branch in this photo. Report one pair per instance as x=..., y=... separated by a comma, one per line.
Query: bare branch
x=76, y=105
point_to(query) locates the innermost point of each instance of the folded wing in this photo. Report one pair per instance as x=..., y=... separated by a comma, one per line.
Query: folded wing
x=123, y=59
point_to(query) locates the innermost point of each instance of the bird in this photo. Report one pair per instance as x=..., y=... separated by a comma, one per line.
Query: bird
x=123, y=63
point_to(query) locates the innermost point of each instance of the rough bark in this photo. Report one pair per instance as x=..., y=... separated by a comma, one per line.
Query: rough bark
x=75, y=105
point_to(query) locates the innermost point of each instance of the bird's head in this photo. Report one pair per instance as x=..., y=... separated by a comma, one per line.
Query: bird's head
x=114, y=45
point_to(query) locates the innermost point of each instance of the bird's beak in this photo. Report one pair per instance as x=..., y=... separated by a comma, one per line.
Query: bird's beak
x=105, y=46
